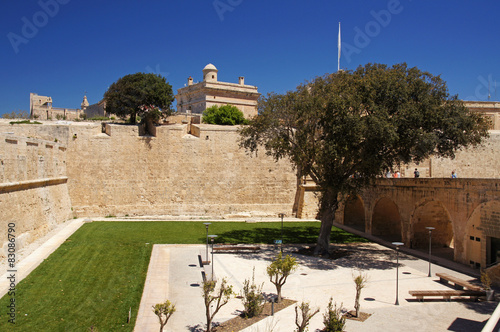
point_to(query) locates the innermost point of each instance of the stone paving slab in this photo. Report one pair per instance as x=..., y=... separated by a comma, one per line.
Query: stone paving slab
x=315, y=281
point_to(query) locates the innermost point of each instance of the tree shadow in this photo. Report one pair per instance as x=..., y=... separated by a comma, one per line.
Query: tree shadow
x=481, y=307
x=195, y=328
x=363, y=256
x=293, y=235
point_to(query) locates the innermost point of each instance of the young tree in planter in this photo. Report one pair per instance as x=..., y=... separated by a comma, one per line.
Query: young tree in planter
x=164, y=311
x=344, y=129
x=333, y=319
x=146, y=95
x=216, y=297
x=306, y=314
x=360, y=281
x=224, y=115
x=279, y=270
x=252, y=297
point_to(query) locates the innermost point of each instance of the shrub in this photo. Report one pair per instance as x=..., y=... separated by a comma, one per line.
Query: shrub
x=333, y=319
x=224, y=115
x=253, y=300
x=20, y=114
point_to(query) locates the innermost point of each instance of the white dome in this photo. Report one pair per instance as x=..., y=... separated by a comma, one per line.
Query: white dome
x=210, y=67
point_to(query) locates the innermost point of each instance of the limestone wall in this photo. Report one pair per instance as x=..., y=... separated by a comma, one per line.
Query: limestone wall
x=33, y=185
x=175, y=173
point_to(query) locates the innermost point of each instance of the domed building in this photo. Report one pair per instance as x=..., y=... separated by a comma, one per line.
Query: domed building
x=195, y=98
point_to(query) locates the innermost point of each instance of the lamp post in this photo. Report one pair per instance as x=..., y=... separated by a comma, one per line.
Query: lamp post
x=397, y=244
x=206, y=255
x=212, y=238
x=430, y=242
x=281, y=215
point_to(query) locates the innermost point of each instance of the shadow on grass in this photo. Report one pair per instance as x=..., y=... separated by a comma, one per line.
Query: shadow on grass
x=294, y=235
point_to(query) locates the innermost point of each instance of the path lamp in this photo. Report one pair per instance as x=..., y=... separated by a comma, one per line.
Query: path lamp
x=212, y=238
x=281, y=215
x=430, y=242
x=397, y=244
x=206, y=256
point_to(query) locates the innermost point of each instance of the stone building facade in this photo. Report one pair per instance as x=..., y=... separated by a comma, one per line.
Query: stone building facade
x=197, y=97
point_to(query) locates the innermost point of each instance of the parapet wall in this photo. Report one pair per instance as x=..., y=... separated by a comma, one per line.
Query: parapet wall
x=33, y=186
x=175, y=173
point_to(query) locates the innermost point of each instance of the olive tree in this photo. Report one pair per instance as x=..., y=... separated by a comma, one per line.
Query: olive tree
x=279, y=270
x=344, y=129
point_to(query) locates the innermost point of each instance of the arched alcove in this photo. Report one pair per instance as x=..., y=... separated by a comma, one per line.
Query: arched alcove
x=386, y=220
x=354, y=213
x=432, y=214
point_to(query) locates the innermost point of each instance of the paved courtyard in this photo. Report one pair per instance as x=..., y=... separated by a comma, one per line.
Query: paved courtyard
x=175, y=273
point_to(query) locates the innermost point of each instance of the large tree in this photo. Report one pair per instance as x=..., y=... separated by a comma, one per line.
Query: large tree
x=146, y=95
x=344, y=129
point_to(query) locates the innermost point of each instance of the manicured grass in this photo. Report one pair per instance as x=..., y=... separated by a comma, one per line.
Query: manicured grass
x=98, y=274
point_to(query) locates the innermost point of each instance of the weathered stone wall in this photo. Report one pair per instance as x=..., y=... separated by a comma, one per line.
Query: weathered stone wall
x=33, y=185
x=174, y=173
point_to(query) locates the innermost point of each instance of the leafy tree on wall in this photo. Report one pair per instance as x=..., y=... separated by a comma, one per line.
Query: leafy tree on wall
x=224, y=115
x=146, y=95
x=344, y=129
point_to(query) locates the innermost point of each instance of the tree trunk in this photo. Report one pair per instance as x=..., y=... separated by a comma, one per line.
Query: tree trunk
x=356, y=302
x=209, y=318
x=328, y=206
x=278, y=290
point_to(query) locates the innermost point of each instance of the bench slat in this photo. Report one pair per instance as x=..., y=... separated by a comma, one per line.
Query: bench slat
x=457, y=281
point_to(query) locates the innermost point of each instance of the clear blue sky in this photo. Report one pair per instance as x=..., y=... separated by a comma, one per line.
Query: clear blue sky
x=62, y=48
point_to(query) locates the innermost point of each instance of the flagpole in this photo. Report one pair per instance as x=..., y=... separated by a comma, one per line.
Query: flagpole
x=339, y=44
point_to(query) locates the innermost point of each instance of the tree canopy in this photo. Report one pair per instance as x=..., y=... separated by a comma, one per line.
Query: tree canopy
x=146, y=95
x=225, y=115
x=344, y=129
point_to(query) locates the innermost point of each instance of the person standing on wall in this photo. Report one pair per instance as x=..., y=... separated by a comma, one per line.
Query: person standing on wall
x=416, y=173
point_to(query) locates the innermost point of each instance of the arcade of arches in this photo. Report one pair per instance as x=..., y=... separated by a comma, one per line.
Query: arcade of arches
x=464, y=216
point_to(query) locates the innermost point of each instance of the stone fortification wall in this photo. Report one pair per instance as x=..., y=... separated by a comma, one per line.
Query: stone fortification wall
x=119, y=172
x=33, y=186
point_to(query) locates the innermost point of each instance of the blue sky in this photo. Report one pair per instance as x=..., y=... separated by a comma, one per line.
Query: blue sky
x=62, y=48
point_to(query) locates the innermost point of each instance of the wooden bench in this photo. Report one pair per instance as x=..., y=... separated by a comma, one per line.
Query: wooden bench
x=446, y=294
x=458, y=283
x=236, y=249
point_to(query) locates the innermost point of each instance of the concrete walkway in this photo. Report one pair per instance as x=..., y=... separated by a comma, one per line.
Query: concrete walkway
x=175, y=273
x=315, y=281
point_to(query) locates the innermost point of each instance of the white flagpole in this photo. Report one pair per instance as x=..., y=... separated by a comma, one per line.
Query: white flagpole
x=338, y=63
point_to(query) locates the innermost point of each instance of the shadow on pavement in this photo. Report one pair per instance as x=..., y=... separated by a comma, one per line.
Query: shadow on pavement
x=354, y=255
x=466, y=325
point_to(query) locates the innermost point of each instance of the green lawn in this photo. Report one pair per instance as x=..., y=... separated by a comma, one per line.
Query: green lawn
x=94, y=277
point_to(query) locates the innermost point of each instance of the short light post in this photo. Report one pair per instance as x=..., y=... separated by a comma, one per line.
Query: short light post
x=206, y=255
x=212, y=238
x=281, y=215
x=397, y=244
x=430, y=242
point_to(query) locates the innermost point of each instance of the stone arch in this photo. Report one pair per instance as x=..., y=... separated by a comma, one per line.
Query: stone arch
x=354, y=213
x=431, y=213
x=386, y=220
x=482, y=235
